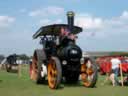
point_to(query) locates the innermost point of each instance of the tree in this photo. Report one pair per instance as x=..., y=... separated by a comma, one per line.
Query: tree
x=23, y=57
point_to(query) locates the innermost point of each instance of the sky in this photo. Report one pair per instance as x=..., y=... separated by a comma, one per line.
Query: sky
x=104, y=23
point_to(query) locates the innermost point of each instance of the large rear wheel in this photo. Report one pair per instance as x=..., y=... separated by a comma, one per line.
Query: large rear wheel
x=54, y=73
x=37, y=62
x=89, y=72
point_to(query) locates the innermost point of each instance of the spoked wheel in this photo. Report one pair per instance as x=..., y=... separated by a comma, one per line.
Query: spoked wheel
x=36, y=68
x=89, y=73
x=54, y=73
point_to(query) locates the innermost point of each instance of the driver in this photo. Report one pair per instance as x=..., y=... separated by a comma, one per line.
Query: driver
x=66, y=34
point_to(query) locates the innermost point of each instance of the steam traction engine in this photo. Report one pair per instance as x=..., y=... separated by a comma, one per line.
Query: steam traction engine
x=11, y=64
x=60, y=58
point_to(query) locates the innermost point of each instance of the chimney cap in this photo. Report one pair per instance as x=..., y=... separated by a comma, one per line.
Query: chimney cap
x=70, y=13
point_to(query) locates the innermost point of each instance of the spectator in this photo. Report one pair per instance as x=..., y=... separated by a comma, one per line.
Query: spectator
x=115, y=70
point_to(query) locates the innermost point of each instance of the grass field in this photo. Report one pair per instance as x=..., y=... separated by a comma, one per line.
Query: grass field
x=12, y=85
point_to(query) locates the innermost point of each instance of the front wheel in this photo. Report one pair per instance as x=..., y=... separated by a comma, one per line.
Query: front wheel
x=89, y=72
x=54, y=72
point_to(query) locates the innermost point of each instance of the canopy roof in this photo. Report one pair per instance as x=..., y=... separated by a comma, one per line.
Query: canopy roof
x=55, y=29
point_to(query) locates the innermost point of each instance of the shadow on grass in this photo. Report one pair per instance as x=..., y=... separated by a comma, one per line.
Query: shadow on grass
x=13, y=71
x=77, y=85
x=0, y=81
x=70, y=85
x=64, y=84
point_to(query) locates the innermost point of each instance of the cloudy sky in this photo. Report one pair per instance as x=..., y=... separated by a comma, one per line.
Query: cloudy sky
x=104, y=23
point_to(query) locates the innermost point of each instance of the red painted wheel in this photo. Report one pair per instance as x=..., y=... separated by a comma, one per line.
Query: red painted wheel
x=36, y=67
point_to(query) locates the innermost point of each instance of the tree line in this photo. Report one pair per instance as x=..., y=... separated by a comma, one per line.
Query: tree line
x=18, y=56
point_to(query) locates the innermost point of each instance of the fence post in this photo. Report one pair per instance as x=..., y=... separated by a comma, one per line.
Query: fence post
x=19, y=70
x=121, y=74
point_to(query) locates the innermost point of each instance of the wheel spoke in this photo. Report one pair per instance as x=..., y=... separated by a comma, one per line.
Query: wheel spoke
x=89, y=71
x=83, y=68
x=84, y=77
x=54, y=72
x=53, y=69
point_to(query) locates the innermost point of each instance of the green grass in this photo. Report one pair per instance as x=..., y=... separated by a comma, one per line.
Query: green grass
x=12, y=85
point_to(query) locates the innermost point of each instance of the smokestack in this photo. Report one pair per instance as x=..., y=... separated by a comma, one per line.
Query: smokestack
x=70, y=17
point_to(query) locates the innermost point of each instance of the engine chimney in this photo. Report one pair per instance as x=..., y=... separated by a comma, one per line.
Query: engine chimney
x=70, y=18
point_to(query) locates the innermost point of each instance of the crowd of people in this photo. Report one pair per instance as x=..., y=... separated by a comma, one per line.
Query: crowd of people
x=116, y=70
